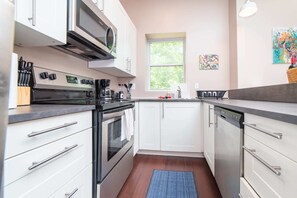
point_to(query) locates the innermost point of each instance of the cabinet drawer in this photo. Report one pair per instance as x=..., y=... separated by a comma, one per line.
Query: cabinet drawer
x=43, y=131
x=21, y=174
x=79, y=187
x=263, y=180
x=287, y=145
x=246, y=191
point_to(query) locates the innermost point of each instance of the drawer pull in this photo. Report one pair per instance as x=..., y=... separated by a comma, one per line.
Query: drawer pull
x=239, y=195
x=37, y=164
x=274, y=169
x=51, y=129
x=68, y=195
x=254, y=126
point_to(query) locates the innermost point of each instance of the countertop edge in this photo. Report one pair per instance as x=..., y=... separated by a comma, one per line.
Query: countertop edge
x=268, y=114
x=22, y=116
x=166, y=100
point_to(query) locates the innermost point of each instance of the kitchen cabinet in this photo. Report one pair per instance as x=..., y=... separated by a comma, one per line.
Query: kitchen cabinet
x=246, y=191
x=51, y=158
x=269, y=158
x=124, y=65
x=99, y=4
x=208, y=135
x=149, y=126
x=40, y=23
x=136, y=129
x=170, y=126
x=180, y=127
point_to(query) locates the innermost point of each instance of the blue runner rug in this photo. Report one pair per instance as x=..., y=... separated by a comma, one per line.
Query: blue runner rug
x=172, y=184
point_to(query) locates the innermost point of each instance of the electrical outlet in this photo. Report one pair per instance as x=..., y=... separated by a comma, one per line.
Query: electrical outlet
x=133, y=86
x=196, y=86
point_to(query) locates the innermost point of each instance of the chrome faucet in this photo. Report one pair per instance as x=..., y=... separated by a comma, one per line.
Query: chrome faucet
x=178, y=92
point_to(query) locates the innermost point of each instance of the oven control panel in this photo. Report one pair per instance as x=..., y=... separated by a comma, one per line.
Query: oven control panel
x=51, y=79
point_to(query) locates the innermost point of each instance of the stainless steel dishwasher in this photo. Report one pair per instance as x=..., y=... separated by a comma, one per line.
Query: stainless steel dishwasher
x=228, y=152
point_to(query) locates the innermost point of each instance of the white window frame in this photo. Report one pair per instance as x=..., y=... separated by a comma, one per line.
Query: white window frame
x=149, y=41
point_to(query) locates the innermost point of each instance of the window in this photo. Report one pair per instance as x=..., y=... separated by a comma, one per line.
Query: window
x=166, y=63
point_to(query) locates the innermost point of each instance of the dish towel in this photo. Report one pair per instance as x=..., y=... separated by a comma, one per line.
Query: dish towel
x=127, y=125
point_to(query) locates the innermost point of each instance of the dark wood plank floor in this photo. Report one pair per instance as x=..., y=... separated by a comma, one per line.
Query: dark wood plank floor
x=137, y=184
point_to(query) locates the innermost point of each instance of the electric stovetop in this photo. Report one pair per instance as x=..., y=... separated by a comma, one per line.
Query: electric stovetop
x=99, y=103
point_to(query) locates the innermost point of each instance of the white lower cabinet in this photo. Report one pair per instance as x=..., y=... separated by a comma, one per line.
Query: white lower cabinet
x=180, y=127
x=149, y=126
x=246, y=191
x=208, y=135
x=53, y=165
x=170, y=126
x=78, y=187
x=136, y=129
x=271, y=174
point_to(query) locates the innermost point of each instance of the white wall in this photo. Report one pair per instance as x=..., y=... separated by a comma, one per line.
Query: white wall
x=206, y=25
x=254, y=34
x=53, y=59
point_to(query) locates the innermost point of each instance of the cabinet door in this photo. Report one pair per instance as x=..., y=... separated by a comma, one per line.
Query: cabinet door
x=181, y=128
x=149, y=125
x=78, y=187
x=208, y=136
x=260, y=166
x=131, y=47
x=40, y=23
x=136, y=129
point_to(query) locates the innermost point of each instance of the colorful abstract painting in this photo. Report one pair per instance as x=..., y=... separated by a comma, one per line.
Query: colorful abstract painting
x=284, y=44
x=209, y=62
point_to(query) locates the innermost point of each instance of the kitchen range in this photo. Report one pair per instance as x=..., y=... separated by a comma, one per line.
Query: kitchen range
x=112, y=144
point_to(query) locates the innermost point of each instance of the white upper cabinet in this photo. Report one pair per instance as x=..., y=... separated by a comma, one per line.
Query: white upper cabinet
x=99, y=3
x=40, y=22
x=130, y=56
x=124, y=65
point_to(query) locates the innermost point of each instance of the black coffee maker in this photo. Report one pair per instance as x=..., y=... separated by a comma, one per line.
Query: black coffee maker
x=102, y=89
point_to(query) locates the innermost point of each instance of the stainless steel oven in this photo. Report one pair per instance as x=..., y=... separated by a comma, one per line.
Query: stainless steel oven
x=115, y=156
x=90, y=35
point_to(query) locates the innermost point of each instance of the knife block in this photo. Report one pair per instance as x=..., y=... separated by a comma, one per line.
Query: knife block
x=23, y=96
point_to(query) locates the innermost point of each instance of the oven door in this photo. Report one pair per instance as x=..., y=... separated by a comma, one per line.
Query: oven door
x=86, y=21
x=113, y=148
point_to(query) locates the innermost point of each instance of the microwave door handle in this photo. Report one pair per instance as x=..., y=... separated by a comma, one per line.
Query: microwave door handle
x=106, y=38
x=114, y=40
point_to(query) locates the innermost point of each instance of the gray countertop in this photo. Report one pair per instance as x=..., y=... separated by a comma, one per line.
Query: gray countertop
x=166, y=100
x=286, y=112
x=34, y=112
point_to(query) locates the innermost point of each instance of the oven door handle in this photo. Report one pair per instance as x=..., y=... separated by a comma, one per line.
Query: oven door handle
x=119, y=109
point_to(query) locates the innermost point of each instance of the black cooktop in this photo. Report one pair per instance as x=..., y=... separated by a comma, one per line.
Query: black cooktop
x=99, y=103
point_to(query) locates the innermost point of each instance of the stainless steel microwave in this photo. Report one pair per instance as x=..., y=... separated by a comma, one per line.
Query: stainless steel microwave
x=90, y=35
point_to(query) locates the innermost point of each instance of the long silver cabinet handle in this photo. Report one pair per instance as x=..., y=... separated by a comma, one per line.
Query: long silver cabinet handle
x=254, y=126
x=239, y=195
x=33, y=18
x=274, y=169
x=37, y=164
x=51, y=129
x=68, y=195
x=209, y=108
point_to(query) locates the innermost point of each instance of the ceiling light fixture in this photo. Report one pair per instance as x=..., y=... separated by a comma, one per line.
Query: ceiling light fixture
x=248, y=9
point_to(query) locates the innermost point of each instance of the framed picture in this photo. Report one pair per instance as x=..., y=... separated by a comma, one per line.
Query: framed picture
x=284, y=44
x=209, y=62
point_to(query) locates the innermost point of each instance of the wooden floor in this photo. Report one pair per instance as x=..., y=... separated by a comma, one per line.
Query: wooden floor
x=138, y=182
